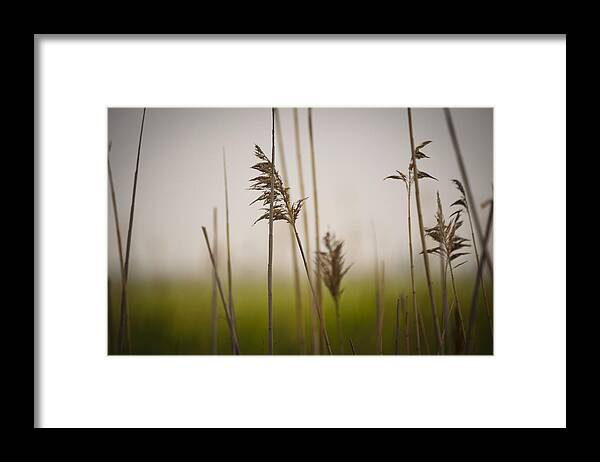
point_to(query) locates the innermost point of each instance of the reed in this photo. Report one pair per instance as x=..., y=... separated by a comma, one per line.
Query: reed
x=408, y=181
x=484, y=256
x=282, y=208
x=295, y=270
x=314, y=326
x=270, y=263
x=333, y=269
x=417, y=174
x=213, y=295
x=450, y=248
x=230, y=305
x=465, y=178
x=230, y=323
x=124, y=337
x=352, y=347
x=313, y=164
x=113, y=197
x=464, y=204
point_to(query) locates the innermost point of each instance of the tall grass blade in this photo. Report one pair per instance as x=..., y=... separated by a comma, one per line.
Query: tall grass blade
x=230, y=305
x=230, y=324
x=124, y=337
x=484, y=256
x=213, y=295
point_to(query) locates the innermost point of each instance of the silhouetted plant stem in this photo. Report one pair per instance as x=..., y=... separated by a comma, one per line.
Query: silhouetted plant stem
x=444, y=299
x=412, y=268
x=423, y=242
x=124, y=338
x=460, y=327
x=213, y=295
x=296, y=273
x=314, y=327
x=319, y=291
x=473, y=310
x=312, y=289
x=230, y=305
x=230, y=323
x=352, y=347
x=270, y=264
x=465, y=178
x=113, y=197
x=478, y=261
x=338, y=321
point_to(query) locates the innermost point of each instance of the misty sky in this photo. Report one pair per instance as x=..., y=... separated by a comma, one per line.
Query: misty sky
x=181, y=180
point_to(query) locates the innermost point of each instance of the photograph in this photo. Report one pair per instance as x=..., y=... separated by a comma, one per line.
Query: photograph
x=300, y=231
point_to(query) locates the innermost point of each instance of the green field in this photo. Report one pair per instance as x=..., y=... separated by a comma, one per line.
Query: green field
x=173, y=317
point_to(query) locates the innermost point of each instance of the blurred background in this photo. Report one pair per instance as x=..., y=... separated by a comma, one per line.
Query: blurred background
x=181, y=181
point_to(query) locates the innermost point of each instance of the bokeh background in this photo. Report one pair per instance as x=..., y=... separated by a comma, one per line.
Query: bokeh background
x=181, y=181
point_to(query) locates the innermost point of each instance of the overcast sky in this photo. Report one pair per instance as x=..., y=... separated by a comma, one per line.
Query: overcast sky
x=181, y=180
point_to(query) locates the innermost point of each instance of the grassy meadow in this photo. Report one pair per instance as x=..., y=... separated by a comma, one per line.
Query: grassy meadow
x=173, y=318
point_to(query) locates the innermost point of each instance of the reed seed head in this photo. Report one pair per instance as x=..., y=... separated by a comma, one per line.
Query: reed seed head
x=283, y=208
x=410, y=178
x=332, y=264
x=445, y=234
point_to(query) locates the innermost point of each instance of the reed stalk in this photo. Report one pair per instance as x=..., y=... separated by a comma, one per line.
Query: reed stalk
x=230, y=305
x=124, y=337
x=412, y=270
x=333, y=268
x=484, y=256
x=434, y=317
x=314, y=327
x=450, y=247
x=459, y=324
x=281, y=207
x=270, y=263
x=118, y=232
x=213, y=295
x=318, y=310
x=113, y=197
x=230, y=324
x=352, y=347
x=295, y=270
x=464, y=203
x=444, y=299
x=465, y=178
x=319, y=291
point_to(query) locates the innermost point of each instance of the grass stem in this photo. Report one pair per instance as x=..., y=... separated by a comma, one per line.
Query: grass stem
x=230, y=323
x=423, y=242
x=124, y=329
